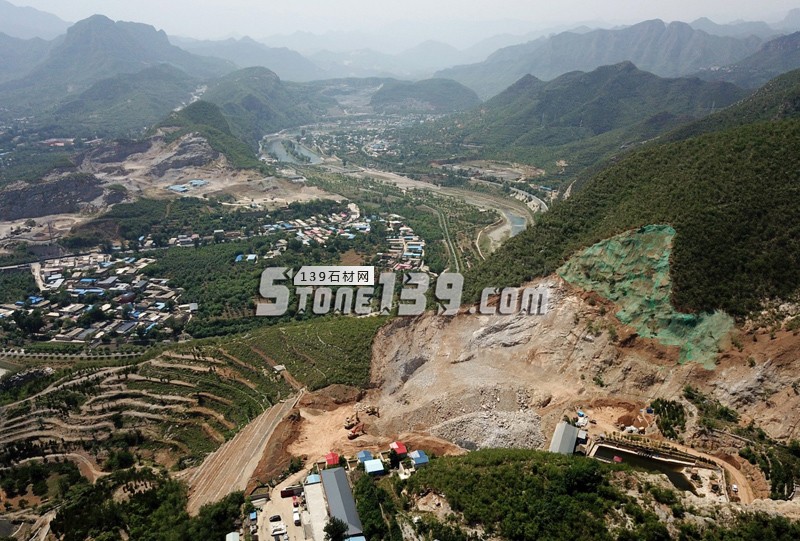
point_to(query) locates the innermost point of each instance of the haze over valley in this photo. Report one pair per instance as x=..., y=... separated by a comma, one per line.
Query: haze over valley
x=582, y=224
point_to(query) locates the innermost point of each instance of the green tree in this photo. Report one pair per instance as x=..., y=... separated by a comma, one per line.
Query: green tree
x=335, y=530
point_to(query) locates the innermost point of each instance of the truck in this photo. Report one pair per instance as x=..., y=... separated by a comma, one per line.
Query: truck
x=291, y=491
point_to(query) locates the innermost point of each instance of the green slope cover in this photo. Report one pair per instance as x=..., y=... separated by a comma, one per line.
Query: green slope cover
x=732, y=197
x=633, y=271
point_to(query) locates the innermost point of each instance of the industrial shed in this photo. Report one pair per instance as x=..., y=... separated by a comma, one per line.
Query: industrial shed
x=340, y=499
x=564, y=439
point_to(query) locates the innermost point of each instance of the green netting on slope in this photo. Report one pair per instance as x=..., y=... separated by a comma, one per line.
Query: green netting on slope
x=632, y=270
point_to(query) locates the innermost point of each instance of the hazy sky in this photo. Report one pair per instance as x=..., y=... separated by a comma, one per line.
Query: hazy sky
x=260, y=18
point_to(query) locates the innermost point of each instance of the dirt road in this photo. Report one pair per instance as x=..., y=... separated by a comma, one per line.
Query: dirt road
x=230, y=467
x=88, y=468
x=745, y=493
x=36, y=269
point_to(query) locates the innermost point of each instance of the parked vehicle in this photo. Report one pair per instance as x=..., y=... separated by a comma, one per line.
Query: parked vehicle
x=296, y=517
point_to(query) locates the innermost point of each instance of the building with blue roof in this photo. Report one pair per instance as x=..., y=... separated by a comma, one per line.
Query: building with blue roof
x=313, y=479
x=418, y=458
x=364, y=455
x=374, y=467
x=239, y=258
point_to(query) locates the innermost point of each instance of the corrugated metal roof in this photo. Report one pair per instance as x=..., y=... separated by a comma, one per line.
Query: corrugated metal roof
x=340, y=499
x=374, y=466
x=564, y=439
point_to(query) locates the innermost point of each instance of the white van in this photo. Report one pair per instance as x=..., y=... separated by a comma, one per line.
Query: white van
x=296, y=518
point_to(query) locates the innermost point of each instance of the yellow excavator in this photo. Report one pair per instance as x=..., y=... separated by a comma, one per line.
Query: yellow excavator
x=351, y=421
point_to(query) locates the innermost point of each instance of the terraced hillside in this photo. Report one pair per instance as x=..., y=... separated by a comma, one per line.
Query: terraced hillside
x=177, y=406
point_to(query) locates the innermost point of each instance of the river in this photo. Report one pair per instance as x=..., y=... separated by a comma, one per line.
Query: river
x=518, y=222
x=276, y=148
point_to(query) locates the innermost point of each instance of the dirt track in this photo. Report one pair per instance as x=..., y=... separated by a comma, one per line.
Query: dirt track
x=230, y=467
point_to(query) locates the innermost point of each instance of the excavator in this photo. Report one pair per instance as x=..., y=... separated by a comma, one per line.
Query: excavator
x=373, y=410
x=356, y=431
x=351, y=421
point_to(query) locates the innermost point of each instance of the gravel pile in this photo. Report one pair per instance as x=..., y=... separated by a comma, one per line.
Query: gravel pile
x=493, y=429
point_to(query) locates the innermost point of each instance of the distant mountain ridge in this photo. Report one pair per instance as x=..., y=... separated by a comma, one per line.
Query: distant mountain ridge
x=98, y=48
x=27, y=22
x=775, y=57
x=612, y=104
x=668, y=50
x=246, y=52
x=739, y=29
x=20, y=56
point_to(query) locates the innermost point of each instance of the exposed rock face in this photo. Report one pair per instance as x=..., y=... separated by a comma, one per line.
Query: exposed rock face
x=484, y=430
x=450, y=375
x=63, y=195
x=193, y=151
x=116, y=151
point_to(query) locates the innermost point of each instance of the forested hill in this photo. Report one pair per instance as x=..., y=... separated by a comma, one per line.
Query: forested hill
x=582, y=117
x=207, y=119
x=580, y=105
x=256, y=102
x=429, y=95
x=732, y=195
x=778, y=99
